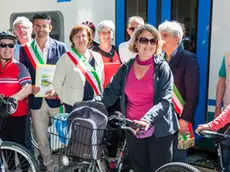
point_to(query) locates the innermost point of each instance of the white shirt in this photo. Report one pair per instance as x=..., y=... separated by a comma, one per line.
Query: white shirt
x=43, y=52
x=124, y=52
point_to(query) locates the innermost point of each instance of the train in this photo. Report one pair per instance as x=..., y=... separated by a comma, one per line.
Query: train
x=204, y=21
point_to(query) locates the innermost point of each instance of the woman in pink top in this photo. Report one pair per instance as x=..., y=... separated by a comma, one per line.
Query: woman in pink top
x=144, y=85
x=217, y=123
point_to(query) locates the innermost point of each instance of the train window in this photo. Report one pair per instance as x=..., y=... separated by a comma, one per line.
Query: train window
x=57, y=22
x=185, y=12
x=135, y=8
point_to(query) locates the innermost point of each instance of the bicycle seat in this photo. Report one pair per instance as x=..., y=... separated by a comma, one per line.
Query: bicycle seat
x=213, y=135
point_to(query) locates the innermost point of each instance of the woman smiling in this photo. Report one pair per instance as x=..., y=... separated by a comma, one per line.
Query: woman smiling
x=79, y=73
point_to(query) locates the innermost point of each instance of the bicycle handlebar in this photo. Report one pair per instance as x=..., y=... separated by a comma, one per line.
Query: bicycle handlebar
x=123, y=122
x=211, y=134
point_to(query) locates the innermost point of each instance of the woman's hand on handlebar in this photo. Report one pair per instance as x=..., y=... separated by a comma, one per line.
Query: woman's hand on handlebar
x=143, y=124
x=202, y=127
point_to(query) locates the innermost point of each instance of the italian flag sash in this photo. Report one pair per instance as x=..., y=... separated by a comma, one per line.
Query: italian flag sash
x=185, y=140
x=86, y=69
x=33, y=54
x=35, y=58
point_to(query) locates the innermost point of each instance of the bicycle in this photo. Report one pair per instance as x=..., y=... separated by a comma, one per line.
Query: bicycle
x=217, y=138
x=86, y=160
x=177, y=167
x=13, y=156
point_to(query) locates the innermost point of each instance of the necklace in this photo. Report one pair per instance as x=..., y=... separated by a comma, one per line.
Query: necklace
x=144, y=63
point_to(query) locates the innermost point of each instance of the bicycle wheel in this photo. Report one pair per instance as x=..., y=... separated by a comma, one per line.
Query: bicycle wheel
x=15, y=157
x=78, y=167
x=177, y=167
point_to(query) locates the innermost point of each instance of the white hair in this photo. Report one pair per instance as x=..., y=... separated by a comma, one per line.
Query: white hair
x=24, y=21
x=172, y=27
x=137, y=19
x=105, y=24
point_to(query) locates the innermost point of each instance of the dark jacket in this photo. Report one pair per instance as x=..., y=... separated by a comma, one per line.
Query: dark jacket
x=161, y=114
x=56, y=50
x=186, y=73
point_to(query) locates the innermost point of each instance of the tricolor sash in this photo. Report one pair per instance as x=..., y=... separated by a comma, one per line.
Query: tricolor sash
x=185, y=140
x=35, y=58
x=33, y=54
x=86, y=69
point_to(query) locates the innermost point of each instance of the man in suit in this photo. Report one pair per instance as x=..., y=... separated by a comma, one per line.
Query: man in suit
x=42, y=50
x=185, y=69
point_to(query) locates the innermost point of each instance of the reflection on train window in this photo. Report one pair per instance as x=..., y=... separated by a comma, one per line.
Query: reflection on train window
x=57, y=22
x=135, y=8
x=185, y=12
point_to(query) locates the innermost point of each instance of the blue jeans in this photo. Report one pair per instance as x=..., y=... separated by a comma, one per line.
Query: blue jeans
x=178, y=155
x=28, y=138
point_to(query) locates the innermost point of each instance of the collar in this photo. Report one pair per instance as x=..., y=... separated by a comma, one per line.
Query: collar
x=178, y=49
x=7, y=64
x=46, y=45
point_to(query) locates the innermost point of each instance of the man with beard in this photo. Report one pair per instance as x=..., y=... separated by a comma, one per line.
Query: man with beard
x=42, y=50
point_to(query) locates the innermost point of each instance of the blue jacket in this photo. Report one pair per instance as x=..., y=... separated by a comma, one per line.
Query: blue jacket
x=56, y=50
x=186, y=73
x=161, y=115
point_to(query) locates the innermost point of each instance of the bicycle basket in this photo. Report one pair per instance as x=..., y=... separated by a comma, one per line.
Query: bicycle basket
x=75, y=139
x=85, y=129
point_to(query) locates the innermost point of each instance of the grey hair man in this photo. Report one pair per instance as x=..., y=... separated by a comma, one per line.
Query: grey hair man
x=185, y=69
x=124, y=52
x=23, y=30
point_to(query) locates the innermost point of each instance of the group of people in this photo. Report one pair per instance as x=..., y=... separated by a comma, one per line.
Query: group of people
x=151, y=79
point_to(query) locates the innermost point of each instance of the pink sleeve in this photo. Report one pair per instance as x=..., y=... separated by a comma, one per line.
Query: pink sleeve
x=221, y=120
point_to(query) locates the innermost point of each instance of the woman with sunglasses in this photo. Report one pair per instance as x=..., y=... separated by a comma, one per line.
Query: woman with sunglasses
x=15, y=82
x=145, y=87
x=79, y=73
x=185, y=69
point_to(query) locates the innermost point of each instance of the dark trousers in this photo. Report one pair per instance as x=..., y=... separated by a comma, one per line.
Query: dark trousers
x=150, y=153
x=178, y=154
x=28, y=137
x=14, y=130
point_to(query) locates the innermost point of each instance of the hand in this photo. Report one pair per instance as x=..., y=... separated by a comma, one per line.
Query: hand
x=35, y=89
x=217, y=112
x=51, y=94
x=143, y=124
x=202, y=127
x=183, y=126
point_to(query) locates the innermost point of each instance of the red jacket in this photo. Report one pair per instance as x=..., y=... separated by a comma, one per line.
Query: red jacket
x=12, y=78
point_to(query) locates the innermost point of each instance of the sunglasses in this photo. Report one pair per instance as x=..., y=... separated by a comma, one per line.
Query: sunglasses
x=132, y=29
x=3, y=45
x=146, y=41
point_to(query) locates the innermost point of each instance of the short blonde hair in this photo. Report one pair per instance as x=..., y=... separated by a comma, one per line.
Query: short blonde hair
x=139, y=31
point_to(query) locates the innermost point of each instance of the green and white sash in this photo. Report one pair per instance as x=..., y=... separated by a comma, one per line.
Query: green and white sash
x=86, y=69
x=33, y=54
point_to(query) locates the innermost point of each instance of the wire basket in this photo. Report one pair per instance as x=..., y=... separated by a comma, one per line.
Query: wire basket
x=73, y=139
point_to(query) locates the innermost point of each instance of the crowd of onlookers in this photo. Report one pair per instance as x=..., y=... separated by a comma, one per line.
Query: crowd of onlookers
x=151, y=79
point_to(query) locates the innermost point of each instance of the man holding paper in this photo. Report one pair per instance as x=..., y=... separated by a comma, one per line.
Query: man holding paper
x=42, y=52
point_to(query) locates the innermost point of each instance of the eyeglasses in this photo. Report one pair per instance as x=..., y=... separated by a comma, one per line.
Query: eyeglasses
x=132, y=29
x=3, y=45
x=146, y=41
